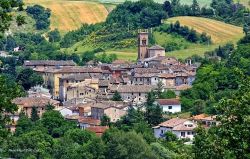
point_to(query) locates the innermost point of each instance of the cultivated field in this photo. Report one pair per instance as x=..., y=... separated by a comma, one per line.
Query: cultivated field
x=244, y=2
x=219, y=31
x=201, y=2
x=69, y=15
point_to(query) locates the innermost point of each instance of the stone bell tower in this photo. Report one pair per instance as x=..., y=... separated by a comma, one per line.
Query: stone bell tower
x=142, y=44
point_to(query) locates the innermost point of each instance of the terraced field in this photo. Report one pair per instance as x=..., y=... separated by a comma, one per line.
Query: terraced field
x=70, y=14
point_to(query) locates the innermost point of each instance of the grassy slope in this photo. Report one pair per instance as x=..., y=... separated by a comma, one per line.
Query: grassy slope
x=69, y=15
x=28, y=27
x=220, y=32
x=244, y=2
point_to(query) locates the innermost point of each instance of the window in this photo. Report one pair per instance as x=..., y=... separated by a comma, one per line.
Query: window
x=139, y=94
x=170, y=107
x=139, y=99
x=144, y=42
x=162, y=132
x=189, y=133
x=183, y=134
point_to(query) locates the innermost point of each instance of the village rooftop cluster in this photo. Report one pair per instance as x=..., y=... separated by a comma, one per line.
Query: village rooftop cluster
x=84, y=93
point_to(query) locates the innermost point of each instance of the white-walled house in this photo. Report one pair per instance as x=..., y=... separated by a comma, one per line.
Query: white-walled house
x=182, y=128
x=68, y=111
x=170, y=105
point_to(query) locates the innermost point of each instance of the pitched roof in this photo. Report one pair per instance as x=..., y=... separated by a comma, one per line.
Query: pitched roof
x=74, y=69
x=173, y=101
x=77, y=77
x=156, y=47
x=186, y=126
x=167, y=75
x=49, y=63
x=132, y=88
x=34, y=101
x=172, y=122
x=89, y=121
x=99, y=130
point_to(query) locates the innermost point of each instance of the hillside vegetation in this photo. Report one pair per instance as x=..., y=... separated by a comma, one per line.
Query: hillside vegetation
x=70, y=15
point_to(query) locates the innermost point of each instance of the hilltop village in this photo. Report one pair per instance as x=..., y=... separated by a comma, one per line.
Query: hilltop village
x=85, y=94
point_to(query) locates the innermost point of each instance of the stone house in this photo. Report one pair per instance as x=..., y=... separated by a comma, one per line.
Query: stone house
x=52, y=76
x=113, y=109
x=80, y=90
x=132, y=93
x=26, y=103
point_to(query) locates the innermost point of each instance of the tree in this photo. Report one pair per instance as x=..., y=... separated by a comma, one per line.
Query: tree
x=159, y=88
x=49, y=107
x=34, y=143
x=127, y=145
x=5, y=16
x=195, y=8
x=51, y=120
x=117, y=96
x=8, y=91
x=54, y=36
x=105, y=120
x=20, y=20
x=167, y=94
x=34, y=114
x=168, y=8
x=24, y=124
x=28, y=78
x=169, y=136
x=153, y=111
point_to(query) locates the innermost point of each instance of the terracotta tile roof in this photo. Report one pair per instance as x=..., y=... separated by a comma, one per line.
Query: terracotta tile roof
x=187, y=126
x=146, y=70
x=146, y=75
x=169, y=101
x=104, y=83
x=172, y=122
x=74, y=69
x=199, y=117
x=49, y=63
x=99, y=130
x=77, y=77
x=89, y=121
x=132, y=88
x=167, y=75
x=34, y=101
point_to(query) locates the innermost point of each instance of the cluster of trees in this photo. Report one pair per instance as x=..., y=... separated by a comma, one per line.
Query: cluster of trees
x=189, y=34
x=5, y=16
x=41, y=16
x=223, y=10
x=176, y=8
x=216, y=80
x=222, y=51
x=141, y=14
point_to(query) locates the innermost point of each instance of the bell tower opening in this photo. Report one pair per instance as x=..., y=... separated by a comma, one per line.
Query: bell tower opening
x=142, y=44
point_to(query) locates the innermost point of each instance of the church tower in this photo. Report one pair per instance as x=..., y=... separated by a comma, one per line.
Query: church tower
x=142, y=44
